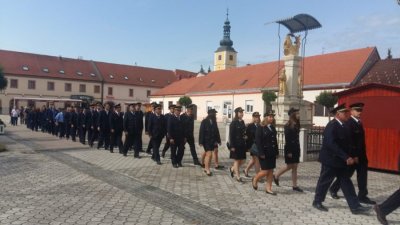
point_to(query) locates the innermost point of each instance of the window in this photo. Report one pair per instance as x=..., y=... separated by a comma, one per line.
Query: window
x=153, y=81
x=141, y=79
x=50, y=86
x=227, y=109
x=68, y=87
x=31, y=84
x=219, y=57
x=62, y=71
x=170, y=103
x=111, y=76
x=320, y=110
x=26, y=68
x=110, y=91
x=249, y=106
x=79, y=73
x=96, y=89
x=125, y=77
x=208, y=105
x=210, y=85
x=82, y=88
x=130, y=92
x=231, y=57
x=92, y=74
x=13, y=83
x=46, y=70
x=243, y=82
x=148, y=93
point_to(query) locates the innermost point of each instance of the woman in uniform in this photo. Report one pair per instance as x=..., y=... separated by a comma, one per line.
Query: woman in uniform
x=267, y=151
x=237, y=143
x=250, y=144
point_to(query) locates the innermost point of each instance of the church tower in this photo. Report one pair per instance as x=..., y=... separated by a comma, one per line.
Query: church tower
x=225, y=57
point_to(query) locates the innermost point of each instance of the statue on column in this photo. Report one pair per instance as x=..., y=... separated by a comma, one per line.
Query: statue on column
x=282, y=82
x=289, y=48
x=300, y=84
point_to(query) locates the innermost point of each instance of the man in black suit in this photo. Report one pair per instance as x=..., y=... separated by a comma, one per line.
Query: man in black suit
x=147, y=117
x=156, y=130
x=139, y=127
x=188, y=122
x=176, y=135
x=130, y=129
x=90, y=124
x=167, y=117
x=74, y=123
x=67, y=121
x=82, y=122
x=335, y=158
x=103, y=126
x=117, y=127
x=358, y=150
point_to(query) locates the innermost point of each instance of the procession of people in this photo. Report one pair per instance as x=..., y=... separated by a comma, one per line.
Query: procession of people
x=343, y=150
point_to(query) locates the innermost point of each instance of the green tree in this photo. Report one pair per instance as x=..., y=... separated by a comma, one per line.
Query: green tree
x=327, y=99
x=268, y=97
x=3, y=80
x=185, y=101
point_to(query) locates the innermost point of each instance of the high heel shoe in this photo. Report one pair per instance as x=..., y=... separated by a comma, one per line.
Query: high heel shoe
x=276, y=180
x=239, y=179
x=255, y=187
x=270, y=192
x=246, y=174
x=230, y=170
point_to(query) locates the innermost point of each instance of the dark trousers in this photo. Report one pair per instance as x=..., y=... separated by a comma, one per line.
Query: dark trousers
x=61, y=129
x=190, y=141
x=73, y=133
x=104, y=138
x=67, y=130
x=82, y=135
x=325, y=180
x=177, y=150
x=362, y=177
x=150, y=146
x=166, y=145
x=156, y=142
x=116, y=139
x=129, y=140
x=94, y=135
x=138, y=143
x=390, y=204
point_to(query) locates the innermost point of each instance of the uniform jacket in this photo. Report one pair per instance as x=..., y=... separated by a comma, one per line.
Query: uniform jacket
x=139, y=120
x=157, y=126
x=335, y=146
x=209, y=133
x=74, y=119
x=237, y=133
x=147, y=117
x=266, y=141
x=188, y=123
x=103, y=121
x=67, y=118
x=117, y=121
x=292, y=142
x=251, y=134
x=130, y=122
x=175, y=128
x=82, y=119
x=357, y=138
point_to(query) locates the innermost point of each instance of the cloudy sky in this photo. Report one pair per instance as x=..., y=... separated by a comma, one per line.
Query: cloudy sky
x=184, y=34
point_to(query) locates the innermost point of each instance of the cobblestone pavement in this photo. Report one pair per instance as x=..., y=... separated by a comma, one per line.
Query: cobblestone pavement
x=45, y=180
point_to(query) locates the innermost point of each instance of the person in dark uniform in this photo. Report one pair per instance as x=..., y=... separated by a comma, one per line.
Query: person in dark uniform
x=188, y=123
x=209, y=138
x=358, y=150
x=95, y=113
x=157, y=130
x=74, y=123
x=89, y=123
x=167, y=117
x=82, y=121
x=103, y=126
x=176, y=135
x=60, y=123
x=237, y=143
x=335, y=159
x=267, y=146
x=67, y=121
x=250, y=144
x=291, y=149
x=130, y=130
x=116, y=128
x=147, y=117
x=139, y=127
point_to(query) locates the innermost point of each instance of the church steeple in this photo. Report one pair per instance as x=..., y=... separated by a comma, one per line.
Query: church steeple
x=225, y=56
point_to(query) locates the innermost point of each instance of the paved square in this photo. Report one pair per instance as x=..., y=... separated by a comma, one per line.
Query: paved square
x=45, y=180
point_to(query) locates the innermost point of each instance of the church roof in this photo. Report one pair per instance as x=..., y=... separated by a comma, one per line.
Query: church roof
x=334, y=70
x=385, y=71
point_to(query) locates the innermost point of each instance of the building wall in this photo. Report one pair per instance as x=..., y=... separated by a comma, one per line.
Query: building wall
x=120, y=93
x=224, y=62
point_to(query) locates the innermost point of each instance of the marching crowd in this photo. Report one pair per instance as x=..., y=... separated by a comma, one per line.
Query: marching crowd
x=343, y=150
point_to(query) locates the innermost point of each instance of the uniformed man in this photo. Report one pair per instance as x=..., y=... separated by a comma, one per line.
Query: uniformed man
x=188, y=122
x=67, y=121
x=103, y=126
x=130, y=129
x=167, y=117
x=334, y=158
x=117, y=127
x=139, y=127
x=157, y=130
x=90, y=124
x=147, y=117
x=74, y=123
x=176, y=135
x=358, y=150
x=82, y=121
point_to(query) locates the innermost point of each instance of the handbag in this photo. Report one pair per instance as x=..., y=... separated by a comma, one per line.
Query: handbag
x=254, y=149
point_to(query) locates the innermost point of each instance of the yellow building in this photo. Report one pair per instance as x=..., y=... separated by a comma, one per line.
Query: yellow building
x=225, y=57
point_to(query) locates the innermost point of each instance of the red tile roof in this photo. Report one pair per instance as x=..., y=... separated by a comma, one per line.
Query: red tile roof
x=77, y=69
x=13, y=63
x=385, y=71
x=328, y=69
x=180, y=87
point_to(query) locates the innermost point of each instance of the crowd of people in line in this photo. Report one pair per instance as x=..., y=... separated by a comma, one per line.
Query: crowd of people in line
x=343, y=150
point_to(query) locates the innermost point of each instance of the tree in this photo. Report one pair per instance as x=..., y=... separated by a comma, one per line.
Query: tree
x=327, y=99
x=185, y=101
x=268, y=97
x=3, y=80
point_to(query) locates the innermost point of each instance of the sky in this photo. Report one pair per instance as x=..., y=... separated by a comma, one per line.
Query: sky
x=183, y=34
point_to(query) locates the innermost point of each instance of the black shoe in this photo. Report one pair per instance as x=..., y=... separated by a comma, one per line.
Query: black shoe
x=202, y=165
x=319, y=206
x=361, y=210
x=246, y=174
x=297, y=189
x=239, y=179
x=276, y=180
x=148, y=152
x=271, y=193
x=196, y=163
x=163, y=154
x=230, y=170
x=141, y=150
x=380, y=216
x=255, y=187
x=125, y=155
x=175, y=166
x=334, y=195
x=366, y=200
x=111, y=151
x=208, y=174
x=137, y=157
x=219, y=167
x=158, y=163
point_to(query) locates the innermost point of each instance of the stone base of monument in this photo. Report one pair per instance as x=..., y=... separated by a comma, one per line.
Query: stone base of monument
x=282, y=105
